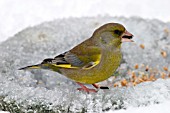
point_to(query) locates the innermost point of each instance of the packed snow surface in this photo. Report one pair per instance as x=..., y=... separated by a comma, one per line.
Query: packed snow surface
x=56, y=92
x=156, y=108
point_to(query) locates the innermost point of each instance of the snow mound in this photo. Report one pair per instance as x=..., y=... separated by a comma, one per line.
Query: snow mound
x=46, y=91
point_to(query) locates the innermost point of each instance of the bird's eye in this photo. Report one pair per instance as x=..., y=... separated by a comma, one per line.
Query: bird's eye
x=118, y=32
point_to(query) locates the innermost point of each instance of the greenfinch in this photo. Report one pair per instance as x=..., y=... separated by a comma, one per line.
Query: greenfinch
x=92, y=61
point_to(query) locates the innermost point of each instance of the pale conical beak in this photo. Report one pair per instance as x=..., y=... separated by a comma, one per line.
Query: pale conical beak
x=126, y=37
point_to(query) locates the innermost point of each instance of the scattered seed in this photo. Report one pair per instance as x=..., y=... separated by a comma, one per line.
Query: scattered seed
x=124, y=82
x=142, y=46
x=115, y=85
x=136, y=66
x=166, y=30
x=133, y=75
x=145, y=78
x=134, y=83
x=163, y=75
x=165, y=68
x=164, y=54
x=147, y=68
x=132, y=80
x=140, y=80
x=152, y=78
x=169, y=75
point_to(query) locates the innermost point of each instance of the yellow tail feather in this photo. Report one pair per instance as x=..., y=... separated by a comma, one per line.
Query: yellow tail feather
x=31, y=67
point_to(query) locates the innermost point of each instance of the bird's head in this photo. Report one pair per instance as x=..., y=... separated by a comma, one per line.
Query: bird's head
x=112, y=34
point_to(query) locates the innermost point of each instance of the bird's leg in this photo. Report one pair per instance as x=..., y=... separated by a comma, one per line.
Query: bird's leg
x=100, y=87
x=96, y=86
x=84, y=88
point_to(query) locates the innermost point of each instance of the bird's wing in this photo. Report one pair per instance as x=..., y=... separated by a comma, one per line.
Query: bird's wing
x=85, y=59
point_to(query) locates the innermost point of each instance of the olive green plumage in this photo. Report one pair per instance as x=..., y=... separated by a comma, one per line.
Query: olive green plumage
x=93, y=60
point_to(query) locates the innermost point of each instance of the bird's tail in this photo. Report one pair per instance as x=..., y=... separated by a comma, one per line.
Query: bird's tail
x=38, y=66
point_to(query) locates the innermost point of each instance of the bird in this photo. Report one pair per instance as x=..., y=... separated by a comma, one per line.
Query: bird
x=93, y=60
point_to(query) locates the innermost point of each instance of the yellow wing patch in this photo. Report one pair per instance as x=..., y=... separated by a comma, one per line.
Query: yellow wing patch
x=93, y=63
x=65, y=66
x=86, y=66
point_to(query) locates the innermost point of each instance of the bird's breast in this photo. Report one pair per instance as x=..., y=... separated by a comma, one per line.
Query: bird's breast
x=109, y=62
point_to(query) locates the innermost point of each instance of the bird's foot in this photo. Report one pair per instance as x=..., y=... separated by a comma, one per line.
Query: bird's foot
x=100, y=87
x=96, y=86
x=87, y=90
x=84, y=88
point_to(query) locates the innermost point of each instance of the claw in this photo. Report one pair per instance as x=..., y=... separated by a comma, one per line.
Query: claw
x=84, y=88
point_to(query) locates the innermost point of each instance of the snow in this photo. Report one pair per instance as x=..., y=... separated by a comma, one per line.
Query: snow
x=156, y=108
x=54, y=91
x=4, y=112
x=19, y=14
